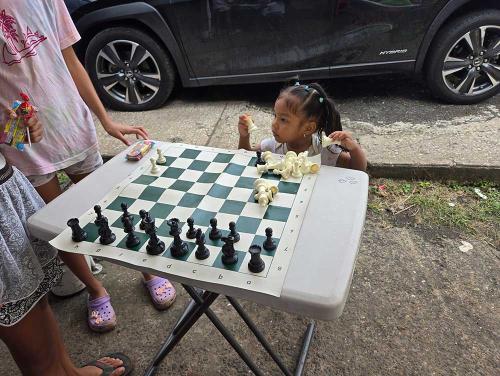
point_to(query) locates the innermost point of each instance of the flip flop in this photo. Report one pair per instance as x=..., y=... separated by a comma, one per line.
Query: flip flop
x=107, y=369
x=161, y=291
x=101, y=315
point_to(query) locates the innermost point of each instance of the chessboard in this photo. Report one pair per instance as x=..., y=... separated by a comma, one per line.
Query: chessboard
x=201, y=183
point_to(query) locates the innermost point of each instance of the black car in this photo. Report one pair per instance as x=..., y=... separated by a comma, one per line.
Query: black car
x=136, y=52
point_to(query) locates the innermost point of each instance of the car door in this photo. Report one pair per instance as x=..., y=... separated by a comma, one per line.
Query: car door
x=242, y=37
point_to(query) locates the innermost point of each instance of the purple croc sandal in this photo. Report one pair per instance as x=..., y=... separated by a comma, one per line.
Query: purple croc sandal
x=102, y=316
x=161, y=291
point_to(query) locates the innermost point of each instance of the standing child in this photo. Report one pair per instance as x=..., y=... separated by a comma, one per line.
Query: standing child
x=301, y=114
x=28, y=270
x=35, y=40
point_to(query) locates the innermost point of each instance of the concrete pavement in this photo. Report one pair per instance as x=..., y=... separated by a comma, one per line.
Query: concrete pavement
x=404, y=131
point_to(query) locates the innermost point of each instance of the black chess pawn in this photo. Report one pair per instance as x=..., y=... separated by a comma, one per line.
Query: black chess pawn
x=256, y=264
x=259, y=160
x=174, y=226
x=125, y=214
x=105, y=233
x=233, y=233
x=191, y=232
x=100, y=217
x=269, y=244
x=149, y=224
x=229, y=255
x=202, y=252
x=142, y=214
x=155, y=245
x=128, y=227
x=78, y=234
x=178, y=248
x=214, y=233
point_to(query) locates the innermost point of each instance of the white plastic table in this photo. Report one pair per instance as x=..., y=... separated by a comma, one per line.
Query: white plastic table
x=320, y=272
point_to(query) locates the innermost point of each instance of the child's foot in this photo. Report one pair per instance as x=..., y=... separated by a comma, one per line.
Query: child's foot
x=101, y=315
x=113, y=365
x=161, y=291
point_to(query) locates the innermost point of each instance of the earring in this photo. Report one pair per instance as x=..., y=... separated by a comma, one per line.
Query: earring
x=305, y=135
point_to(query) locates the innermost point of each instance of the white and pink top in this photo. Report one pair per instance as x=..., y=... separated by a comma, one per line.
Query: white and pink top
x=32, y=35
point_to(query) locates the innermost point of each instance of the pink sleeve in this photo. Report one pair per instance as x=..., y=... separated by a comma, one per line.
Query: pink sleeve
x=66, y=30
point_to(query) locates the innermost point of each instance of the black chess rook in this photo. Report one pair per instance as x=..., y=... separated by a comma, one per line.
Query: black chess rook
x=78, y=234
x=256, y=264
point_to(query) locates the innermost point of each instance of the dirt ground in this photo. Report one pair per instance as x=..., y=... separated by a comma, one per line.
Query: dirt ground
x=417, y=306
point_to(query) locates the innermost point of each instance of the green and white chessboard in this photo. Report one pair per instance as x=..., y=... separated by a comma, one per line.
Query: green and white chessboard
x=201, y=183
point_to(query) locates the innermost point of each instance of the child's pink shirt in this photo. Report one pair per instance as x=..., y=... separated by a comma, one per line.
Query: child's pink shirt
x=32, y=35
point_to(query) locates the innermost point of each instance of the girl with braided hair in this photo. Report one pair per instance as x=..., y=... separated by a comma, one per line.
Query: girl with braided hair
x=301, y=114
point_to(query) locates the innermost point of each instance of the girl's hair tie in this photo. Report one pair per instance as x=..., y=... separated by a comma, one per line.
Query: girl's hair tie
x=306, y=88
x=321, y=99
x=297, y=83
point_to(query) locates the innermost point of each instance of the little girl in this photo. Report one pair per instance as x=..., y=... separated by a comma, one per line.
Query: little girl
x=59, y=86
x=301, y=114
x=28, y=270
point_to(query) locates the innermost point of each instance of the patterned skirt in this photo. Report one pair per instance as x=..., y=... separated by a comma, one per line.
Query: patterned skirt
x=28, y=267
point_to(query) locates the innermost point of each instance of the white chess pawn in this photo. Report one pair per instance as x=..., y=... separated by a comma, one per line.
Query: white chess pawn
x=327, y=141
x=312, y=168
x=262, y=198
x=267, y=156
x=262, y=169
x=296, y=173
x=154, y=167
x=285, y=172
x=161, y=158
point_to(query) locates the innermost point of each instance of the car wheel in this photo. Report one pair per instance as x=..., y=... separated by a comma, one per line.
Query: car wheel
x=130, y=70
x=464, y=64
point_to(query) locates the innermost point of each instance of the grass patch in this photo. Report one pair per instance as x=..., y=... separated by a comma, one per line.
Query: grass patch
x=452, y=205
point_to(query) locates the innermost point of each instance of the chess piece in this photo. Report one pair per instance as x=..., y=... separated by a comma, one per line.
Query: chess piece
x=296, y=173
x=105, y=233
x=191, y=232
x=259, y=160
x=126, y=214
x=154, y=167
x=249, y=122
x=269, y=244
x=264, y=191
x=142, y=214
x=327, y=141
x=202, y=252
x=233, y=233
x=149, y=223
x=128, y=227
x=214, y=233
x=256, y=264
x=100, y=217
x=262, y=169
x=178, y=248
x=174, y=226
x=229, y=255
x=78, y=234
x=155, y=245
x=161, y=158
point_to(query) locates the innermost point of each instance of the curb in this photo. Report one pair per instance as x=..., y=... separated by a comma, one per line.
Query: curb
x=460, y=173
x=435, y=172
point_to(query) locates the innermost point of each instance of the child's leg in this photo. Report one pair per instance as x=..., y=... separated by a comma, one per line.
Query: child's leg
x=76, y=263
x=37, y=347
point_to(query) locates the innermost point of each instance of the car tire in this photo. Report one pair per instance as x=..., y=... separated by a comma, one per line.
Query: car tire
x=451, y=74
x=130, y=70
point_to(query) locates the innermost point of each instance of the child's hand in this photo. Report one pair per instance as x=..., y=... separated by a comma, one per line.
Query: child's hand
x=345, y=139
x=243, y=126
x=35, y=128
x=118, y=130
